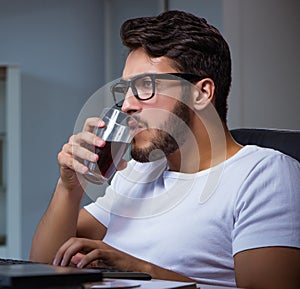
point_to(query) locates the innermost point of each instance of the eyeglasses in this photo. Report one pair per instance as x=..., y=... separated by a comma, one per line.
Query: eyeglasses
x=144, y=86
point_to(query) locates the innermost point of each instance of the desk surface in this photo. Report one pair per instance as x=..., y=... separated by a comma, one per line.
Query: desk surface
x=151, y=284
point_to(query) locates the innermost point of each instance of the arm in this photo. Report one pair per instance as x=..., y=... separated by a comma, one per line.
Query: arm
x=268, y=223
x=62, y=219
x=99, y=254
x=268, y=268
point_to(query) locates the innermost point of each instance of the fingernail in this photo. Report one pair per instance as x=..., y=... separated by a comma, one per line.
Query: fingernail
x=101, y=123
x=99, y=142
x=84, y=170
x=79, y=265
x=93, y=157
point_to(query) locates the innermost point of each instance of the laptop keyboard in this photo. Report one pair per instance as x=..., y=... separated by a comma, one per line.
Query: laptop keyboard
x=12, y=261
x=107, y=273
x=15, y=261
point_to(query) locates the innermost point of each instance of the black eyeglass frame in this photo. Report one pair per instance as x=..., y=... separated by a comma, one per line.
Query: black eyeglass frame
x=192, y=78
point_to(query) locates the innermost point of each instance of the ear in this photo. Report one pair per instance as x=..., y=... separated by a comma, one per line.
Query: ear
x=203, y=93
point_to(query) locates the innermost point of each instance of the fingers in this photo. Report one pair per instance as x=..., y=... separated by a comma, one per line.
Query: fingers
x=94, y=255
x=79, y=147
x=76, y=258
x=80, y=150
x=108, y=257
x=93, y=122
x=67, y=162
x=70, y=248
x=78, y=143
x=76, y=250
x=81, y=252
x=86, y=252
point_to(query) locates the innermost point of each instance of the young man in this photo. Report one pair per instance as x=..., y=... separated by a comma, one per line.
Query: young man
x=192, y=204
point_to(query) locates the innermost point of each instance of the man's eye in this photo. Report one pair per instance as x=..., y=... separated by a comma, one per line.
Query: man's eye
x=147, y=84
x=144, y=84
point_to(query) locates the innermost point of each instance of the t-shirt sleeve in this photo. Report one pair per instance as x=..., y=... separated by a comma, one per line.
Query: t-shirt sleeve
x=126, y=186
x=101, y=208
x=267, y=207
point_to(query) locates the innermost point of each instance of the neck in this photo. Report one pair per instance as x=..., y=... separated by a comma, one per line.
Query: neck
x=203, y=149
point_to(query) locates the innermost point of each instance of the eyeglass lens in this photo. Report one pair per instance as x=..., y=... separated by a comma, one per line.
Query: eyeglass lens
x=142, y=87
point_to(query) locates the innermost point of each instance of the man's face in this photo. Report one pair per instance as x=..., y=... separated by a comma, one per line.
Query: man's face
x=163, y=118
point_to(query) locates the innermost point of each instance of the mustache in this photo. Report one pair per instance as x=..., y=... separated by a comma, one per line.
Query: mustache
x=142, y=123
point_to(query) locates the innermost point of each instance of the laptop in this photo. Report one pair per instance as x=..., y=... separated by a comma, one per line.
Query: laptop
x=26, y=274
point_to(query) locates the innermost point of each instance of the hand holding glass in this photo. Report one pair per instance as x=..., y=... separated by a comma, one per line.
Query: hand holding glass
x=117, y=133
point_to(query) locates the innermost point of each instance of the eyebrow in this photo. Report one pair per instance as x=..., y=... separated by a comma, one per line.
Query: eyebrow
x=141, y=74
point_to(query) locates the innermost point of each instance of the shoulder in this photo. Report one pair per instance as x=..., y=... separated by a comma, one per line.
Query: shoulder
x=256, y=158
x=262, y=152
x=268, y=172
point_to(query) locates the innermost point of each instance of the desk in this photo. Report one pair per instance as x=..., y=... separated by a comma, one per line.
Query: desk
x=150, y=284
x=200, y=286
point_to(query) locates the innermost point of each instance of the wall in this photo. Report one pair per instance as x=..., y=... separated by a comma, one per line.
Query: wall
x=211, y=10
x=2, y=177
x=116, y=14
x=264, y=40
x=59, y=47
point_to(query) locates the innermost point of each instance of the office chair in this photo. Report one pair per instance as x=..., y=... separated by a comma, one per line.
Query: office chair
x=286, y=141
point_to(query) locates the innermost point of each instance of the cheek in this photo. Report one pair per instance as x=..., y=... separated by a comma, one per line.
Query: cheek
x=154, y=118
x=157, y=111
x=162, y=101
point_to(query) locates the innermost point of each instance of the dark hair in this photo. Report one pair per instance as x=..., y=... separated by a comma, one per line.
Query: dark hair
x=194, y=46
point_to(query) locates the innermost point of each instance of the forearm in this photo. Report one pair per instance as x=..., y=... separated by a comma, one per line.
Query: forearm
x=160, y=273
x=58, y=224
x=131, y=263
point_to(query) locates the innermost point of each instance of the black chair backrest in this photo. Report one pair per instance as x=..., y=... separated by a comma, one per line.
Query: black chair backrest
x=286, y=141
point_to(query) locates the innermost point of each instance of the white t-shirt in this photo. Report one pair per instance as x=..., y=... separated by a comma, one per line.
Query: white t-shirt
x=195, y=223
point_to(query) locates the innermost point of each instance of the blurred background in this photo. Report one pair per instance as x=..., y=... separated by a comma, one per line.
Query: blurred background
x=54, y=54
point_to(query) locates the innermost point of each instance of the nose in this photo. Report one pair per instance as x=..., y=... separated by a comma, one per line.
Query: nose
x=131, y=104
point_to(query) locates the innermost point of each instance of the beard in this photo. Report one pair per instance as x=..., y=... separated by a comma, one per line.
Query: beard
x=166, y=140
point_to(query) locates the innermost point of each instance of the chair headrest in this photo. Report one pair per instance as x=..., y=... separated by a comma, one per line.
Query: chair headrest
x=286, y=141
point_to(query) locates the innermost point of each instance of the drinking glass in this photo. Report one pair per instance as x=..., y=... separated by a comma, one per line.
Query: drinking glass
x=117, y=133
